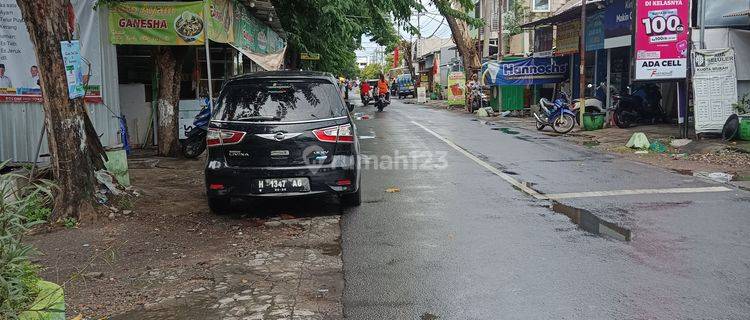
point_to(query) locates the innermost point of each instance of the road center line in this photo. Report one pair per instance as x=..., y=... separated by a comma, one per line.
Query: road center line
x=518, y=184
x=558, y=196
x=593, y=194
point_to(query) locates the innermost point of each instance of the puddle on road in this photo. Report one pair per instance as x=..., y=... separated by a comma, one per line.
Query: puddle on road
x=508, y=131
x=591, y=223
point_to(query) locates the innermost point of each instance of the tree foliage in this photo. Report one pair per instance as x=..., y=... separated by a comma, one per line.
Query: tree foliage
x=334, y=28
x=372, y=71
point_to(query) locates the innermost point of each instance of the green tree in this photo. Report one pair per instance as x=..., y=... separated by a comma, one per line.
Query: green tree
x=334, y=28
x=372, y=71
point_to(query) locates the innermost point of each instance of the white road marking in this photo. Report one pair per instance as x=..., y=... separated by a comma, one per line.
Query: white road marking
x=518, y=184
x=558, y=196
x=593, y=194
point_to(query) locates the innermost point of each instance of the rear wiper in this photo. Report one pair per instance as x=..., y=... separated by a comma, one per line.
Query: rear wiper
x=259, y=118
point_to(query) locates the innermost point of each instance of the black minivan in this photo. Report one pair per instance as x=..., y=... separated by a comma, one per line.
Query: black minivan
x=281, y=134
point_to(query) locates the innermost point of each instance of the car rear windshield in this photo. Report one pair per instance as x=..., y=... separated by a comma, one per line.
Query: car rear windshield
x=279, y=101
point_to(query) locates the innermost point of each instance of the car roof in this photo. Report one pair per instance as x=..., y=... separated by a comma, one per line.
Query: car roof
x=285, y=74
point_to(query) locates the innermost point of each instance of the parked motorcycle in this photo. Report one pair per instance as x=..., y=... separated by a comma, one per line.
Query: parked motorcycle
x=555, y=114
x=478, y=99
x=593, y=104
x=195, y=142
x=641, y=106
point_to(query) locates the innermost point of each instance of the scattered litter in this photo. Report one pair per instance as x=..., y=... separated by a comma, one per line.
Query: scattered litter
x=641, y=152
x=658, y=147
x=107, y=180
x=638, y=141
x=366, y=137
x=720, y=177
x=482, y=113
x=505, y=113
x=508, y=131
x=678, y=143
x=392, y=190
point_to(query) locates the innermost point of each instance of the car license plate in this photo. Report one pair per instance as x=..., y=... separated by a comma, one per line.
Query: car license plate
x=281, y=185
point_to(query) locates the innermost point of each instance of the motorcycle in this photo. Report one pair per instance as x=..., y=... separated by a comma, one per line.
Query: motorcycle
x=555, y=114
x=381, y=102
x=195, y=142
x=641, y=106
x=593, y=104
x=478, y=99
x=365, y=99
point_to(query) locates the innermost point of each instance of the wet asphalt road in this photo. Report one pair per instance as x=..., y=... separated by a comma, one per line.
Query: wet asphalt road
x=459, y=242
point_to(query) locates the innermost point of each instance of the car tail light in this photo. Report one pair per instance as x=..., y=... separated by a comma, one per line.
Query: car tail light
x=216, y=186
x=342, y=133
x=216, y=137
x=344, y=182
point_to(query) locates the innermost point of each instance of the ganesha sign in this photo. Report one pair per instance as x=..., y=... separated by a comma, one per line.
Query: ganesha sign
x=661, y=39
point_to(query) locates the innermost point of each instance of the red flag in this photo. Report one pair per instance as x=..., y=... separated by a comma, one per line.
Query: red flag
x=395, y=57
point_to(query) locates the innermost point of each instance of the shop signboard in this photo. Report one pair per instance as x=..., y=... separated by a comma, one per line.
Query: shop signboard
x=221, y=20
x=157, y=23
x=715, y=88
x=568, y=35
x=618, y=25
x=543, y=42
x=253, y=36
x=661, y=39
x=456, y=89
x=530, y=71
x=19, y=70
x=595, y=31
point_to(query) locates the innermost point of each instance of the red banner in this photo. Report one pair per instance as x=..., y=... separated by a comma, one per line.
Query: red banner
x=395, y=57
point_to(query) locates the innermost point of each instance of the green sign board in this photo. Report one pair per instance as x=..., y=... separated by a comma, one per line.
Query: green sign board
x=157, y=23
x=221, y=20
x=253, y=36
x=309, y=56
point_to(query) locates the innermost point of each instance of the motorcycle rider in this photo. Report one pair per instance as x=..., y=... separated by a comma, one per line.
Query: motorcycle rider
x=364, y=89
x=383, y=87
x=473, y=86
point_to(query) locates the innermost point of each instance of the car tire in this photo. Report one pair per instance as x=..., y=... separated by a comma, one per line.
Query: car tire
x=219, y=205
x=351, y=199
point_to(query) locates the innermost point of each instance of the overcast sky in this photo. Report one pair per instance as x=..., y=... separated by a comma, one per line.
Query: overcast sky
x=430, y=22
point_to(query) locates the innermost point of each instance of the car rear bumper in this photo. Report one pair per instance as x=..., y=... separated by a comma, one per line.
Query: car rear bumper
x=236, y=181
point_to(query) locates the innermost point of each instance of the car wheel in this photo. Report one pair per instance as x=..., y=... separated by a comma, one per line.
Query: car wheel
x=351, y=199
x=219, y=205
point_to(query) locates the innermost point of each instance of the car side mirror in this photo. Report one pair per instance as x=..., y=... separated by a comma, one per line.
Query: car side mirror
x=350, y=106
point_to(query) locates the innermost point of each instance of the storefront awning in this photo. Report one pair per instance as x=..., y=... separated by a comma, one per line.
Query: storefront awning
x=570, y=11
x=269, y=62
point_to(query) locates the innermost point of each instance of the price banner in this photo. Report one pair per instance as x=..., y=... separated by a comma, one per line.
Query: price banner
x=661, y=39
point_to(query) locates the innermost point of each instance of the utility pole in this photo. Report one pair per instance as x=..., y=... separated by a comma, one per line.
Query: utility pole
x=582, y=71
x=487, y=28
x=500, y=48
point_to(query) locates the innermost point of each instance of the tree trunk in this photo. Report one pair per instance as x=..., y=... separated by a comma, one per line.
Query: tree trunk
x=169, y=61
x=464, y=44
x=71, y=155
x=406, y=47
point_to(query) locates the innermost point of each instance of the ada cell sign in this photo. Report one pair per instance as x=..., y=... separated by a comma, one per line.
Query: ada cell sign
x=661, y=39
